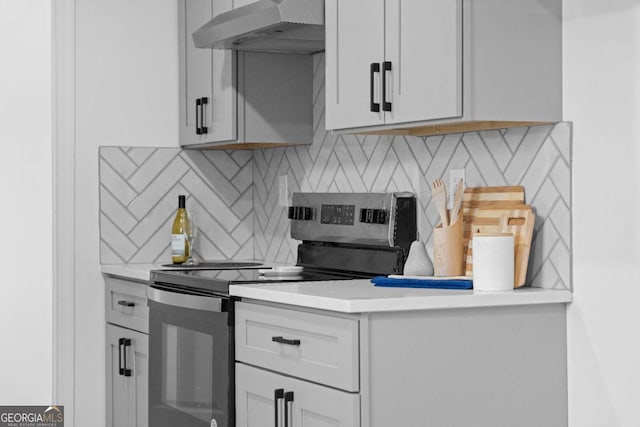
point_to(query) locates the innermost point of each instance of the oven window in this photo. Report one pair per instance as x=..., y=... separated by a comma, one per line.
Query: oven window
x=190, y=362
x=187, y=371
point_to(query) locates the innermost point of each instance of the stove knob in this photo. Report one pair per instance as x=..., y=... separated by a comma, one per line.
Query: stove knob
x=293, y=212
x=373, y=216
x=299, y=213
x=306, y=214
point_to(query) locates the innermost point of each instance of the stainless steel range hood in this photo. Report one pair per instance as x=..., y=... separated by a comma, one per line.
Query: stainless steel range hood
x=284, y=26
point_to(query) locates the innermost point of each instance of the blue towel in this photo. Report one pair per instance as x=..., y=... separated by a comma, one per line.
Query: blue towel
x=422, y=283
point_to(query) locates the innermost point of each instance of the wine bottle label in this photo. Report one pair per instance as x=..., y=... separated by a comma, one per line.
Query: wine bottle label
x=178, y=244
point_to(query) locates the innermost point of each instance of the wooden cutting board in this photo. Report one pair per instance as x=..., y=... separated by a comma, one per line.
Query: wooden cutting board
x=519, y=221
x=495, y=197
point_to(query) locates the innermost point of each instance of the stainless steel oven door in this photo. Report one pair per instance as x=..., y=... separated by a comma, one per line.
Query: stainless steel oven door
x=190, y=359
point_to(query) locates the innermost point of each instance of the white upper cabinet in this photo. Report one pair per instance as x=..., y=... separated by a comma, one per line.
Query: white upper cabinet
x=423, y=48
x=437, y=66
x=354, y=45
x=207, y=95
x=239, y=100
x=392, y=61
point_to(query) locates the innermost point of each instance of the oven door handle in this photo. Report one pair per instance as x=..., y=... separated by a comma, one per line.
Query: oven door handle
x=177, y=299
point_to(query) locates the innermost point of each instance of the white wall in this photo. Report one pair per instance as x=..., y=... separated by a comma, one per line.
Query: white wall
x=602, y=98
x=25, y=202
x=126, y=94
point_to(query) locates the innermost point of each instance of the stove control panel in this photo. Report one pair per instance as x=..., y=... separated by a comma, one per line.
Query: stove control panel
x=337, y=214
x=380, y=219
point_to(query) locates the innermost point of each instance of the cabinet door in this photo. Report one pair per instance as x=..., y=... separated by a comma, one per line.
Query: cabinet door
x=424, y=45
x=312, y=405
x=204, y=73
x=354, y=41
x=127, y=395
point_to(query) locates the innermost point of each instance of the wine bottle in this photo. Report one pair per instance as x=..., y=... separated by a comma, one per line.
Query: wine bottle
x=179, y=243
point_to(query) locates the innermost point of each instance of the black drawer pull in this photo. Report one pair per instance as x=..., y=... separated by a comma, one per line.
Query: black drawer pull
x=120, y=344
x=198, y=130
x=282, y=340
x=386, y=66
x=126, y=343
x=203, y=129
x=277, y=395
x=288, y=397
x=374, y=107
x=126, y=303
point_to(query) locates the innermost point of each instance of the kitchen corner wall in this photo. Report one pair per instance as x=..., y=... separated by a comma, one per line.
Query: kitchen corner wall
x=235, y=193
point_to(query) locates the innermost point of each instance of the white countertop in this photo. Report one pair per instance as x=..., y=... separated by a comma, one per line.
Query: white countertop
x=360, y=296
x=142, y=271
x=130, y=271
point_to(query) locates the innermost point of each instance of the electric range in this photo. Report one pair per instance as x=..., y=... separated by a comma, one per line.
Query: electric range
x=191, y=329
x=344, y=236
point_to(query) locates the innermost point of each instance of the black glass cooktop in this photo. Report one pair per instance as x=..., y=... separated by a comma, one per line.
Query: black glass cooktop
x=218, y=281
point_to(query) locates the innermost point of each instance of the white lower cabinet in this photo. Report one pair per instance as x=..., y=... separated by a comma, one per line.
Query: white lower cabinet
x=127, y=356
x=266, y=398
x=295, y=368
x=311, y=346
x=127, y=377
x=476, y=366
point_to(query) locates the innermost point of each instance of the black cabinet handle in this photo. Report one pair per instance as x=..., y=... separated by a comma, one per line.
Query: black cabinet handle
x=126, y=343
x=282, y=340
x=198, y=130
x=288, y=397
x=277, y=395
x=386, y=66
x=375, y=106
x=204, y=101
x=120, y=344
x=126, y=303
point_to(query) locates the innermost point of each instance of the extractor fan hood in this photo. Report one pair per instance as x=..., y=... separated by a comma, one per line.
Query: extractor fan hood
x=285, y=26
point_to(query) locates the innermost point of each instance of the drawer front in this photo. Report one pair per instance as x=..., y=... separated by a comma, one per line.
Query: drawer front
x=308, y=404
x=311, y=346
x=127, y=304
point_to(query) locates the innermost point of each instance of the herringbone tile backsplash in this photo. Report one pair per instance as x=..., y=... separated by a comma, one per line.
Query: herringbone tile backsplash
x=537, y=158
x=235, y=193
x=139, y=190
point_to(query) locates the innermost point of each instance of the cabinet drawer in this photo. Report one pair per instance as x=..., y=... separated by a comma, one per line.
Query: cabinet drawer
x=307, y=404
x=127, y=304
x=316, y=347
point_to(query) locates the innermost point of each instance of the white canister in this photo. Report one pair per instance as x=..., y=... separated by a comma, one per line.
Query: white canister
x=493, y=262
